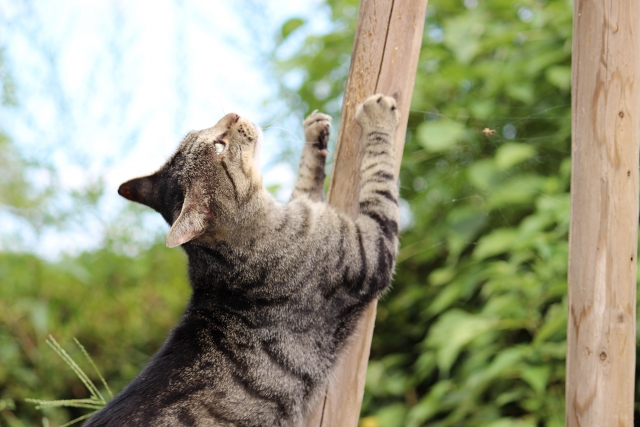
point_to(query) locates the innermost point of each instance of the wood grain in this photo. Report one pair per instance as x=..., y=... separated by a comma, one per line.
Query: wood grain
x=384, y=60
x=601, y=341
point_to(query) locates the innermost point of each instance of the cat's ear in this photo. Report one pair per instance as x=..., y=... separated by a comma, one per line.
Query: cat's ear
x=139, y=190
x=191, y=223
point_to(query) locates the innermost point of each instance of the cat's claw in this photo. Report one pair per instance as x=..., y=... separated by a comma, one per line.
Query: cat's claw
x=316, y=130
x=378, y=112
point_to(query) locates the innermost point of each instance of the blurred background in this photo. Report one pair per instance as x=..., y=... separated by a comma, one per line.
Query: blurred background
x=473, y=332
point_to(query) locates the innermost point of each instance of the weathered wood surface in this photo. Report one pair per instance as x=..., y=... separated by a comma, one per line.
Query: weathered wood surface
x=384, y=60
x=604, y=213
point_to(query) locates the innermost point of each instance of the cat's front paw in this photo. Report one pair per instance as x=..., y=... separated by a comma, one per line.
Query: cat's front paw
x=316, y=131
x=378, y=112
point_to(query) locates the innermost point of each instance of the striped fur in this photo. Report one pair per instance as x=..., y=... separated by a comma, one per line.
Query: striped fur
x=277, y=289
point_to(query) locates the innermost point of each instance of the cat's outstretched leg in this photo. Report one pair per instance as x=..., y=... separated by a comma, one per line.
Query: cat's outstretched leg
x=311, y=173
x=377, y=223
x=378, y=117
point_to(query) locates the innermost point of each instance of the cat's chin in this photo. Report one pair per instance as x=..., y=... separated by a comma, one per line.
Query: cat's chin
x=259, y=139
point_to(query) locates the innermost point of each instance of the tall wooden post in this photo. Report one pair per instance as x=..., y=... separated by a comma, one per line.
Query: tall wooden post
x=604, y=213
x=384, y=60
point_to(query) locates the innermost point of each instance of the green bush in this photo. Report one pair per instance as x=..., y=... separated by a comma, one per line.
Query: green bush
x=119, y=307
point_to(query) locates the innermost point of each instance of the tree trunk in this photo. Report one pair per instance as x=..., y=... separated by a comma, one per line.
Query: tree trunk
x=601, y=337
x=384, y=60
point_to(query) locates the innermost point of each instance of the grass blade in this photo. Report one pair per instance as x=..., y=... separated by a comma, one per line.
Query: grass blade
x=72, y=403
x=84, y=417
x=94, y=366
x=79, y=372
x=95, y=402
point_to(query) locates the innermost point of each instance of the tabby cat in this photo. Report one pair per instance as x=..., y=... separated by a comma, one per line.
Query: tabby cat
x=277, y=289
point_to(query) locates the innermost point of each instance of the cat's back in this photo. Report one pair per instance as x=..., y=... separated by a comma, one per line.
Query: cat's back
x=198, y=379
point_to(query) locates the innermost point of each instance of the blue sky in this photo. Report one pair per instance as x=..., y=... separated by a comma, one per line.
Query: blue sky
x=107, y=88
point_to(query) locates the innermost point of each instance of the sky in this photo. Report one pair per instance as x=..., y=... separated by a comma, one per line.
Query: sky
x=107, y=89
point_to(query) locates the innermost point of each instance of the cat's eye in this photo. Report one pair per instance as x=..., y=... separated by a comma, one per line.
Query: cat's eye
x=219, y=146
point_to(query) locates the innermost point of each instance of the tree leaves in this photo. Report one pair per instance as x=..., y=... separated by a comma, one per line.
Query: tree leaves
x=453, y=330
x=440, y=135
x=498, y=241
x=290, y=26
x=559, y=76
x=461, y=36
x=510, y=154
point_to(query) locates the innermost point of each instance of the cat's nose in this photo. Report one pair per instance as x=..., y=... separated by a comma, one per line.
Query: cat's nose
x=230, y=119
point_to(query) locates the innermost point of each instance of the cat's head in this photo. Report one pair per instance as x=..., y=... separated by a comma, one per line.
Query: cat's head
x=212, y=176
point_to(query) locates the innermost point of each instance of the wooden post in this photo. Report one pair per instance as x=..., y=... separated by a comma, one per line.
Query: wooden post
x=384, y=60
x=604, y=213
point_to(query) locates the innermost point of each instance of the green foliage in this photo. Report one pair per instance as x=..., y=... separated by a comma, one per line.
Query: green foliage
x=7, y=85
x=322, y=63
x=474, y=331
x=290, y=26
x=120, y=307
x=17, y=195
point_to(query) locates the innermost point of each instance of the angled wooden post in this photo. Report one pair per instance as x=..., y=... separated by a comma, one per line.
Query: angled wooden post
x=604, y=213
x=384, y=60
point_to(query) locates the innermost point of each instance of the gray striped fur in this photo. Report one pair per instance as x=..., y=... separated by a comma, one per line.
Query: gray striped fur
x=277, y=289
